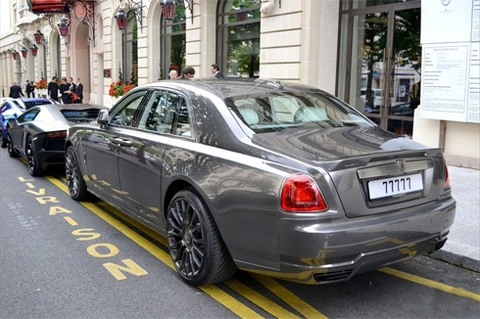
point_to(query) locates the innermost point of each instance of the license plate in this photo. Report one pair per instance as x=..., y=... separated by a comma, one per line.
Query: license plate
x=395, y=186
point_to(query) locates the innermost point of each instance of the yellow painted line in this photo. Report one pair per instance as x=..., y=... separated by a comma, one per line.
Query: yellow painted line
x=230, y=302
x=430, y=283
x=260, y=300
x=216, y=293
x=286, y=295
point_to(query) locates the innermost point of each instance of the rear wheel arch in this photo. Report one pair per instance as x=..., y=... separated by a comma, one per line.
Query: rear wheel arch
x=196, y=246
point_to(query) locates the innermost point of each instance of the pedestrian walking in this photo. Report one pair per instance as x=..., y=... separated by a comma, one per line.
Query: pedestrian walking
x=16, y=91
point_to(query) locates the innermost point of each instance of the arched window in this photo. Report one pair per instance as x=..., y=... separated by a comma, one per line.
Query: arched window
x=173, y=41
x=238, y=47
x=130, y=51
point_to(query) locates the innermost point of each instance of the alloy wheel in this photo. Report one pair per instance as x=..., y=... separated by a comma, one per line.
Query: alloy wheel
x=75, y=182
x=186, y=240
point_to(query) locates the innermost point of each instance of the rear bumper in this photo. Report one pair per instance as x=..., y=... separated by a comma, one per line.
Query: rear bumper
x=336, y=251
x=47, y=158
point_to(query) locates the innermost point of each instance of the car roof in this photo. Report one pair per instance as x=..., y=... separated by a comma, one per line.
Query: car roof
x=225, y=88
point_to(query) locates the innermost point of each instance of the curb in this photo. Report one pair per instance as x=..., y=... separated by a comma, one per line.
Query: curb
x=457, y=260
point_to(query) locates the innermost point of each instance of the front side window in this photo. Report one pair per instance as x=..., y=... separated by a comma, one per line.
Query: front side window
x=126, y=113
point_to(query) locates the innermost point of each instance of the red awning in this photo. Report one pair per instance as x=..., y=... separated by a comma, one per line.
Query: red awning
x=48, y=6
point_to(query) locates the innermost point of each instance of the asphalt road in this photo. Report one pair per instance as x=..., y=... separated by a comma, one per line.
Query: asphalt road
x=63, y=259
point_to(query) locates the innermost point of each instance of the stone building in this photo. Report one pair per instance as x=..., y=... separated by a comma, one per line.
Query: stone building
x=366, y=52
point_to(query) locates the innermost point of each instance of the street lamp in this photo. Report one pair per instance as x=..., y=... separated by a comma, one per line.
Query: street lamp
x=63, y=27
x=34, y=49
x=38, y=35
x=168, y=9
x=122, y=20
x=24, y=51
x=14, y=54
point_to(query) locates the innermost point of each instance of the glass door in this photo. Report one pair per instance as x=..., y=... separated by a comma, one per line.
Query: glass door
x=404, y=71
x=380, y=57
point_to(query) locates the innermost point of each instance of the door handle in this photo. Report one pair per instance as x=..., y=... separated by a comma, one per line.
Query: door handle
x=121, y=142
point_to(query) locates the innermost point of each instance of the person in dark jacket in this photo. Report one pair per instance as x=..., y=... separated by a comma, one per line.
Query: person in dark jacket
x=27, y=88
x=214, y=68
x=53, y=89
x=79, y=91
x=65, y=93
x=31, y=92
x=15, y=91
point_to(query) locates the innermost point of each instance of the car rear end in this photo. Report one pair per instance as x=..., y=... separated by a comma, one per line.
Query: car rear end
x=360, y=197
x=50, y=146
x=384, y=209
x=51, y=142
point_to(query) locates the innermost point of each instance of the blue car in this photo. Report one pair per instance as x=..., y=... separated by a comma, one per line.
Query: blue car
x=12, y=108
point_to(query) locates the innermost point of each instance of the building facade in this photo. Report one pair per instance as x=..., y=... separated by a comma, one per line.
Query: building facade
x=366, y=52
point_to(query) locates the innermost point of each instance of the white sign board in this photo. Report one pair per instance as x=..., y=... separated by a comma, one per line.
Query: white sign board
x=450, y=35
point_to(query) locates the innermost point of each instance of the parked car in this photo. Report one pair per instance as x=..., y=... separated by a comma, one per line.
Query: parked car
x=11, y=108
x=39, y=134
x=269, y=177
x=403, y=109
x=375, y=102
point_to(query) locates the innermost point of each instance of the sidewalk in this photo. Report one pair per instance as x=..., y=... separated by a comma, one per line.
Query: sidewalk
x=463, y=245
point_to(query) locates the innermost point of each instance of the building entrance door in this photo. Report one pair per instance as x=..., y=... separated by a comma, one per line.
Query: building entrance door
x=380, y=58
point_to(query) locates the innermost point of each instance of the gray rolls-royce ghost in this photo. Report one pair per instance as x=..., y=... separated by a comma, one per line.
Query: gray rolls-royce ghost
x=276, y=178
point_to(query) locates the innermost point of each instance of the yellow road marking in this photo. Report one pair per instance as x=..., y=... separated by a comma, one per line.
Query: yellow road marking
x=286, y=295
x=430, y=283
x=216, y=293
x=260, y=300
x=230, y=302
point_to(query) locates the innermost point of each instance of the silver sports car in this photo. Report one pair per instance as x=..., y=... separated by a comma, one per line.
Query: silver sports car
x=269, y=177
x=39, y=134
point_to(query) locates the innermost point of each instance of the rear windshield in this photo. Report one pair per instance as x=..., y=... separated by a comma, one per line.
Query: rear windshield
x=279, y=110
x=81, y=116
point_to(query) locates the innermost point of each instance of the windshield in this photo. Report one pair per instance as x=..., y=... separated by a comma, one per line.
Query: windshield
x=279, y=110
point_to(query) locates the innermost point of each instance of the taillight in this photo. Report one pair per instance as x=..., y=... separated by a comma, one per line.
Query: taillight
x=446, y=181
x=301, y=194
x=56, y=134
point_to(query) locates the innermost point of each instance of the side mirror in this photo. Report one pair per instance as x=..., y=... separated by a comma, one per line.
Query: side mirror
x=103, y=118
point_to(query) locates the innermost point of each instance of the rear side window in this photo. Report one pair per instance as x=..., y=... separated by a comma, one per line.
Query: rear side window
x=31, y=115
x=280, y=110
x=166, y=112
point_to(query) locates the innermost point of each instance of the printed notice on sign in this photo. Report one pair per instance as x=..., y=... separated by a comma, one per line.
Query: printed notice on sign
x=473, y=109
x=444, y=79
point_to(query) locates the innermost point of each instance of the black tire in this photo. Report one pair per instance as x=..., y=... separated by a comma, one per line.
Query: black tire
x=194, y=242
x=3, y=140
x=75, y=182
x=32, y=161
x=10, y=149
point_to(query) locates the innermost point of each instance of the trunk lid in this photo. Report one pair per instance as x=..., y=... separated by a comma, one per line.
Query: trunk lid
x=373, y=171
